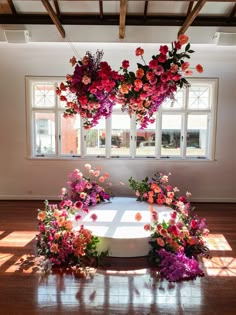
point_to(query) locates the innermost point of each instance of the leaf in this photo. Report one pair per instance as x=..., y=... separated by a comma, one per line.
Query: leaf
x=187, y=47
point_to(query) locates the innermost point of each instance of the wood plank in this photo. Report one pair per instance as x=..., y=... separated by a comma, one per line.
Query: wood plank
x=127, y=288
x=54, y=17
x=193, y=14
x=123, y=10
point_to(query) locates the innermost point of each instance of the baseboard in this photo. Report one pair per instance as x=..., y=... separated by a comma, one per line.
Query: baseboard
x=39, y=197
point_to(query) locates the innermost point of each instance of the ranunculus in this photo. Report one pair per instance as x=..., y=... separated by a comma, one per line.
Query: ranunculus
x=162, y=58
x=164, y=49
x=93, y=217
x=139, y=51
x=86, y=80
x=78, y=204
x=185, y=66
x=183, y=39
x=138, y=84
x=54, y=248
x=199, y=68
x=153, y=64
x=125, y=64
x=194, y=224
x=88, y=166
x=73, y=61
x=139, y=73
x=160, y=242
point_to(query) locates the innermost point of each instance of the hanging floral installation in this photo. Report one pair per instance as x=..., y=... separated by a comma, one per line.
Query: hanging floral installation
x=91, y=90
x=94, y=88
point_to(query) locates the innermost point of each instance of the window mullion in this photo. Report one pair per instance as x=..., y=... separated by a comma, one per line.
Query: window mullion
x=108, y=137
x=158, y=134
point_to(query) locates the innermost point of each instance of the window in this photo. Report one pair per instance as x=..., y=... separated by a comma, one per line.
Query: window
x=183, y=130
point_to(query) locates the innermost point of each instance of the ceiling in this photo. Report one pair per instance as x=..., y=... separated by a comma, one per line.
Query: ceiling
x=120, y=13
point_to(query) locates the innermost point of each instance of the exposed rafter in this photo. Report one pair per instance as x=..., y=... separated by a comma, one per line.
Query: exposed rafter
x=5, y=7
x=190, y=7
x=56, y=5
x=232, y=13
x=123, y=10
x=193, y=14
x=54, y=17
x=101, y=8
x=145, y=8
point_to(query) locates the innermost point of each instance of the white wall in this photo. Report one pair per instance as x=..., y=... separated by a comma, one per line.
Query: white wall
x=23, y=178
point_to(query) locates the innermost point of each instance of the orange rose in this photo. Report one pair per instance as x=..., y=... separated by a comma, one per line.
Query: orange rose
x=183, y=39
x=139, y=51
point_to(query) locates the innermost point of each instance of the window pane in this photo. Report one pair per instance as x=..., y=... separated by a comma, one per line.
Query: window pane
x=44, y=133
x=43, y=95
x=70, y=135
x=199, y=97
x=120, y=135
x=96, y=139
x=196, y=135
x=177, y=103
x=171, y=132
x=145, y=141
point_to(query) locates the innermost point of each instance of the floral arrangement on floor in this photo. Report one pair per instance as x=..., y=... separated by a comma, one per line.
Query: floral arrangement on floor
x=94, y=88
x=178, y=241
x=58, y=241
x=141, y=93
x=86, y=190
x=90, y=91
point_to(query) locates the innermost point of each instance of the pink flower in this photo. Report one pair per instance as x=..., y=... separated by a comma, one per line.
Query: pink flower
x=93, y=217
x=88, y=166
x=78, y=217
x=101, y=179
x=78, y=204
x=147, y=227
x=199, y=68
x=160, y=242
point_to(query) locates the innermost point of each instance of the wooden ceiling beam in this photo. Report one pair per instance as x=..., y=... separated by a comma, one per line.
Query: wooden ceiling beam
x=54, y=17
x=190, y=7
x=232, y=13
x=56, y=5
x=101, y=9
x=123, y=10
x=12, y=7
x=191, y=17
x=5, y=7
x=145, y=8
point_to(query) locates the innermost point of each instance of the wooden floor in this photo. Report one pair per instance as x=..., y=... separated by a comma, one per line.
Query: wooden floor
x=130, y=289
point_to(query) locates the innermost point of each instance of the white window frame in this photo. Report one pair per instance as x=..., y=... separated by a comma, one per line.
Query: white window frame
x=212, y=112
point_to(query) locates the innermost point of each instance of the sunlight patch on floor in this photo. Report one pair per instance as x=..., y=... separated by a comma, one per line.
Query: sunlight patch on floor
x=17, y=239
x=220, y=266
x=5, y=257
x=217, y=242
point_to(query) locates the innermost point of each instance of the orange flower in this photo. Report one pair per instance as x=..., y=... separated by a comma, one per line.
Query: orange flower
x=139, y=73
x=183, y=39
x=124, y=89
x=138, y=216
x=54, y=248
x=73, y=61
x=41, y=215
x=139, y=51
x=199, y=68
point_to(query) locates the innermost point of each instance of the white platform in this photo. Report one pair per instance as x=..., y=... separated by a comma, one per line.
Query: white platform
x=117, y=229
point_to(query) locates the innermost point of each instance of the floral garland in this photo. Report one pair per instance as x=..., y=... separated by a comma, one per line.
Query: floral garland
x=94, y=88
x=177, y=241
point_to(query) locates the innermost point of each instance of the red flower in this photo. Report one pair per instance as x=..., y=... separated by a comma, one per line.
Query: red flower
x=199, y=68
x=164, y=49
x=125, y=64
